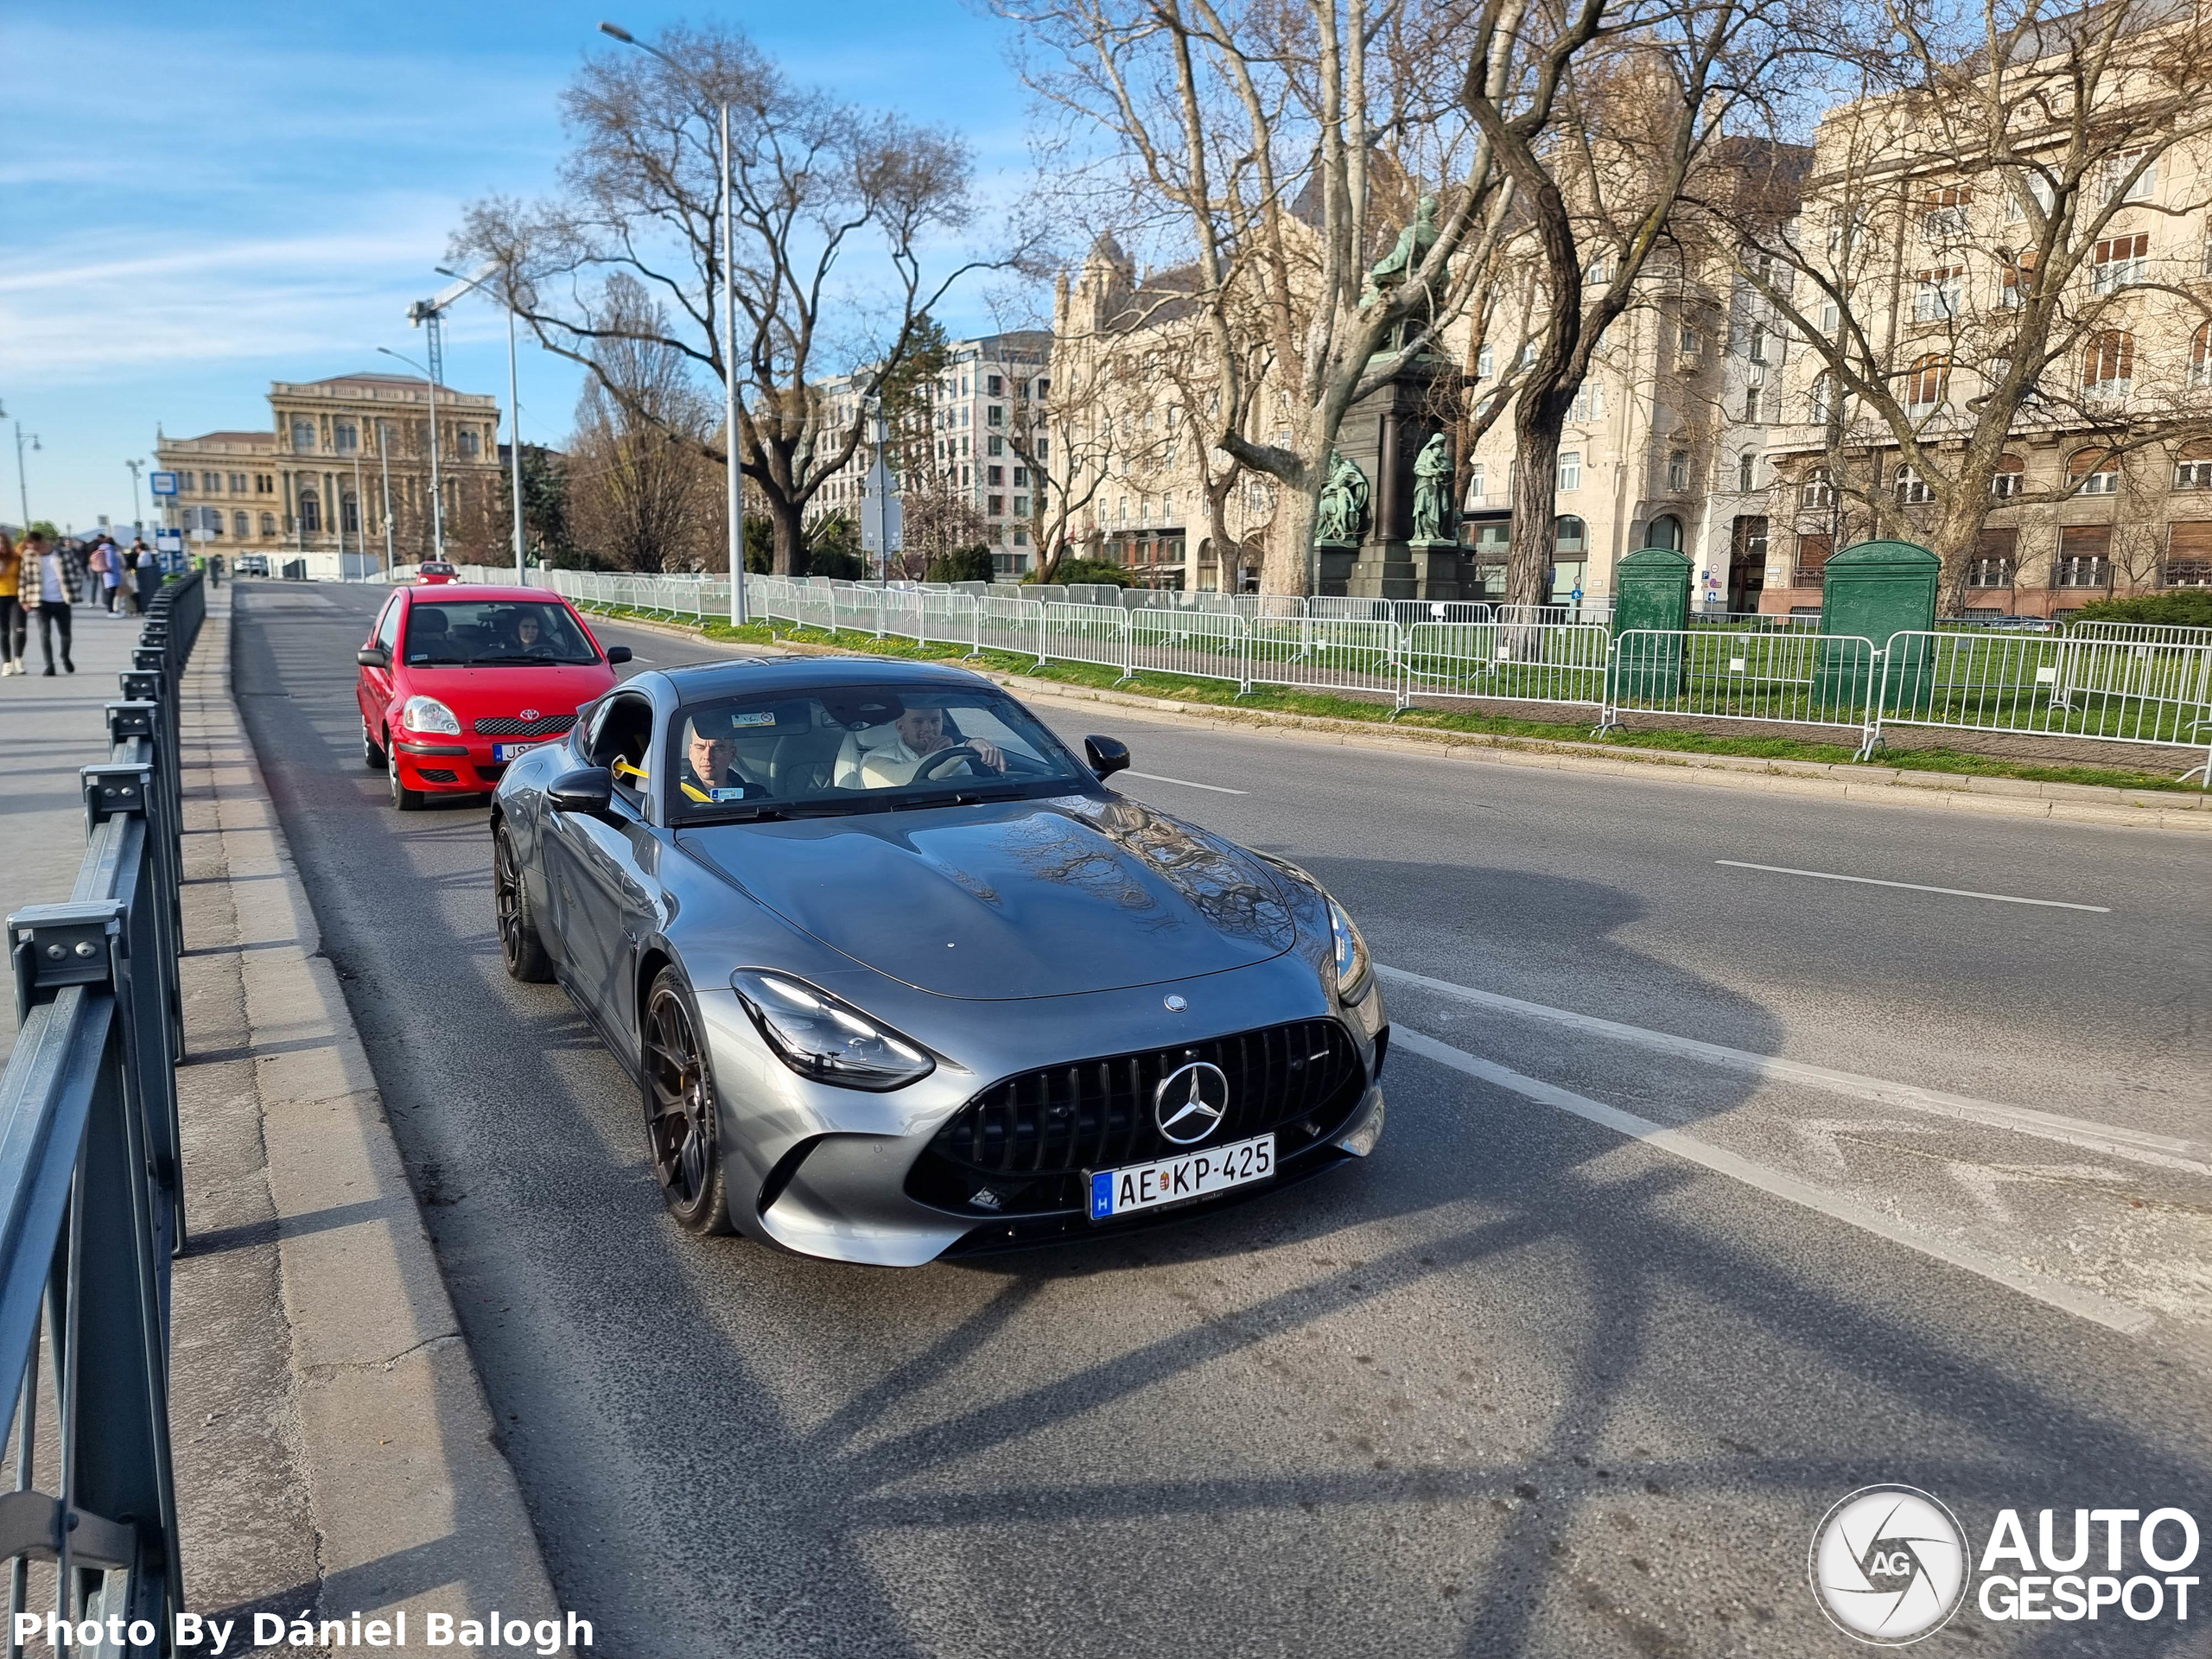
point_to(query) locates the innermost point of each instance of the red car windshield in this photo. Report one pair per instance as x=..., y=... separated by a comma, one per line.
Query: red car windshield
x=494, y=633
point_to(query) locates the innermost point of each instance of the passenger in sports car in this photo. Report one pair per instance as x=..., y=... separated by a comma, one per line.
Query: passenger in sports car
x=711, y=768
x=918, y=733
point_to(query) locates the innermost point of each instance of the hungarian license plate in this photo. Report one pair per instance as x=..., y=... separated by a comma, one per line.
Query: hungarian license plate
x=512, y=751
x=1188, y=1175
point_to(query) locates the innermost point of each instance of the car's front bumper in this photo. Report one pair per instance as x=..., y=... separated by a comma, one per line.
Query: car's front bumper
x=823, y=1171
x=463, y=765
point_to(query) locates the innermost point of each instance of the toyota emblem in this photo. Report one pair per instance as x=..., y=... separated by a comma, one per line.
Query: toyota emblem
x=529, y=714
x=1190, y=1102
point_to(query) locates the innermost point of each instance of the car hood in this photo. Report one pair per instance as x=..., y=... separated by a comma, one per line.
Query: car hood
x=1014, y=898
x=550, y=688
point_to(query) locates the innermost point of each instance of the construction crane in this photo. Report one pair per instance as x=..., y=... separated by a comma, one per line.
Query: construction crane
x=429, y=316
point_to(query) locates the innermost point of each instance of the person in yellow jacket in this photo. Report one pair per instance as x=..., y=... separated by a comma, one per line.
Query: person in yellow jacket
x=14, y=626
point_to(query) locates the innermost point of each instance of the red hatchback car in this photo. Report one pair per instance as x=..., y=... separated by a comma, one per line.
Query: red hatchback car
x=455, y=684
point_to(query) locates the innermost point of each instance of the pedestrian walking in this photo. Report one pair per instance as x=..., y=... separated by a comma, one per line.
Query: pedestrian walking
x=148, y=570
x=55, y=580
x=108, y=568
x=12, y=640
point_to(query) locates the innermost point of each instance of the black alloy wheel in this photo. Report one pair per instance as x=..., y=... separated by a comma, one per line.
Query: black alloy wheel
x=523, y=952
x=372, y=755
x=680, y=1109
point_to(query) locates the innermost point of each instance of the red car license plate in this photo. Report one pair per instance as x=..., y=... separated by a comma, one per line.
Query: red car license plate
x=514, y=751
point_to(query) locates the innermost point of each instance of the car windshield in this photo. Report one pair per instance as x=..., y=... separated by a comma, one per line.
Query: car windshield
x=862, y=749
x=495, y=633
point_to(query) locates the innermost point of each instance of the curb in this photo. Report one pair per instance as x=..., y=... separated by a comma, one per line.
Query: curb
x=2133, y=808
x=414, y=1506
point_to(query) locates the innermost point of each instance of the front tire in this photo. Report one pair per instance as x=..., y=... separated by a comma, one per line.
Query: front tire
x=524, y=953
x=404, y=799
x=681, y=1117
x=372, y=755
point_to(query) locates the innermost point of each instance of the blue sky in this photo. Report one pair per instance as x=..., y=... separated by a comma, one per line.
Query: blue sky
x=195, y=200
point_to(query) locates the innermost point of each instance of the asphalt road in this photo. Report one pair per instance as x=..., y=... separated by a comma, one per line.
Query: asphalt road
x=1523, y=1383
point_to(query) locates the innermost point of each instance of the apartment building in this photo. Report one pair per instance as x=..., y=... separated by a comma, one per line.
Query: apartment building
x=314, y=482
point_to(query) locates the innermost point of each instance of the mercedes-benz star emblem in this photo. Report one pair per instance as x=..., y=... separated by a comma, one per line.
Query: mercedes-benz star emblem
x=529, y=714
x=1189, y=1102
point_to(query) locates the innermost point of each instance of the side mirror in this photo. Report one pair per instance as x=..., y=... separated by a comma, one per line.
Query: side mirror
x=588, y=789
x=617, y=655
x=1107, y=756
x=373, y=656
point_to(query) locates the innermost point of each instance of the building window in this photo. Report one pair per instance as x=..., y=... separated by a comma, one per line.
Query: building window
x=1678, y=471
x=349, y=514
x=211, y=483
x=1928, y=383
x=1747, y=470
x=1831, y=315
x=2119, y=262
x=2200, y=358
x=1486, y=360
x=1686, y=339
x=2084, y=557
x=1021, y=538
x=345, y=437
x=238, y=483
x=2118, y=183
x=468, y=443
x=2094, y=472
x=1912, y=489
x=311, y=513
x=1022, y=507
x=1570, y=535
x=1570, y=469
x=1944, y=215
x=2009, y=478
x=2038, y=186
x=1812, y=559
x=1020, y=477
x=995, y=414
x=1936, y=293
x=241, y=526
x=268, y=523
x=2188, y=553
x=2193, y=467
x=1754, y=405
x=994, y=474
x=304, y=437
x=2108, y=365
x=994, y=446
x=1993, y=564
x=1755, y=349
x=1823, y=405
x=1043, y=447
x=1819, y=489
x=1666, y=532
x=1589, y=403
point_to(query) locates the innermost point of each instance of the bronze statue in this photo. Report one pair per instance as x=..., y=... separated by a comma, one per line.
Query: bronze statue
x=1343, y=511
x=1412, y=245
x=1432, y=490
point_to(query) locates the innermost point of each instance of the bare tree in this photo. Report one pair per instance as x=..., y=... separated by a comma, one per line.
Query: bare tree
x=833, y=210
x=1975, y=253
x=1266, y=142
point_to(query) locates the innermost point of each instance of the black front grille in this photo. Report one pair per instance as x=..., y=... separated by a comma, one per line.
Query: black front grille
x=508, y=725
x=1025, y=1142
x=437, y=774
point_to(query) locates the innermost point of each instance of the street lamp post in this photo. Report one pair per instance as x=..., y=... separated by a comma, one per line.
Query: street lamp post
x=23, y=482
x=514, y=416
x=384, y=465
x=437, y=496
x=137, y=522
x=740, y=614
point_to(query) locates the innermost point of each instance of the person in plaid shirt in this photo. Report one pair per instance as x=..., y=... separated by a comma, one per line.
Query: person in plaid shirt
x=55, y=579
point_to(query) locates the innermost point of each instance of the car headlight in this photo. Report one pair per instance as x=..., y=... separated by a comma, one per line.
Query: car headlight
x=429, y=715
x=821, y=1037
x=1352, y=969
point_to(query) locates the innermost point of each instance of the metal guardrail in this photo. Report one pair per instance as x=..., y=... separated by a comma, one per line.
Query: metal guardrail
x=91, y=1191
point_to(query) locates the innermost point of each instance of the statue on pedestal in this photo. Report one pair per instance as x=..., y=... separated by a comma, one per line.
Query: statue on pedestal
x=1341, y=514
x=1412, y=245
x=1432, y=490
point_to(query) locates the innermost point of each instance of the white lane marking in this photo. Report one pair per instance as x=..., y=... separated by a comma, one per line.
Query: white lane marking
x=2167, y=1152
x=1914, y=886
x=2054, y=1292
x=1154, y=778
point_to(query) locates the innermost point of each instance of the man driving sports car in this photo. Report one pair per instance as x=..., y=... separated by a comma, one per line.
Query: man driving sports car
x=711, y=768
x=889, y=759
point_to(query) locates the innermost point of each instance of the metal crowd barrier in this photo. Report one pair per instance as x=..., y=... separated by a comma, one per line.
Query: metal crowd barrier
x=91, y=1191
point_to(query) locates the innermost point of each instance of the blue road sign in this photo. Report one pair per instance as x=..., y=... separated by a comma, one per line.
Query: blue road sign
x=162, y=483
x=168, y=540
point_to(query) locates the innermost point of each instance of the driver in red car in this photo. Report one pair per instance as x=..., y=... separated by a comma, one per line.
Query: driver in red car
x=891, y=761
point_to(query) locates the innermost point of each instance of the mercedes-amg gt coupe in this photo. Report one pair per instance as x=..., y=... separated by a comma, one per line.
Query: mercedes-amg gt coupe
x=898, y=974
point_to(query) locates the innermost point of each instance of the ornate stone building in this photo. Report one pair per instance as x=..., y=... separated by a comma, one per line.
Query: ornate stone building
x=313, y=484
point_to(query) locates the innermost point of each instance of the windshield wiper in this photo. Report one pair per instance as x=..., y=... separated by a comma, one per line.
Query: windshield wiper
x=1005, y=790
x=520, y=660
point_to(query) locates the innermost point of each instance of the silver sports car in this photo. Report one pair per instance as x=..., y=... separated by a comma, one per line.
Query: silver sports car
x=898, y=974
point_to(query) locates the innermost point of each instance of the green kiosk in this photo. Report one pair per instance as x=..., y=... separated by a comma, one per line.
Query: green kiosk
x=1651, y=589
x=1875, y=590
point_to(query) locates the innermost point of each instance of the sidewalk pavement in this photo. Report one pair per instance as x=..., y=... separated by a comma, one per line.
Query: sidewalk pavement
x=47, y=729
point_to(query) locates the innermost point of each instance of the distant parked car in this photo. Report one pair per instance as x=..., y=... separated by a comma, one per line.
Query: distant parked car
x=452, y=687
x=252, y=564
x=433, y=571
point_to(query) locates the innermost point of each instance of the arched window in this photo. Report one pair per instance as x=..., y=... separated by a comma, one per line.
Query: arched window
x=1747, y=470
x=303, y=436
x=2193, y=466
x=2199, y=345
x=1819, y=488
x=1666, y=532
x=2094, y=472
x=1824, y=398
x=268, y=523
x=310, y=512
x=1678, y=470
x=1928, y=383
x=241, y=526
x=2109, y=364
x=2011, y=476
x=1569, y=535
x=1912, y=488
